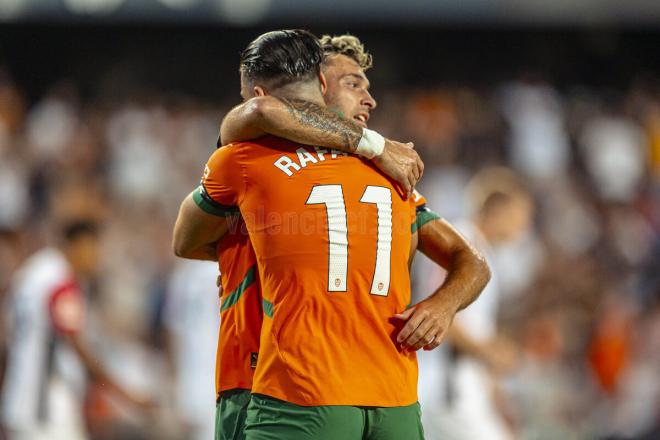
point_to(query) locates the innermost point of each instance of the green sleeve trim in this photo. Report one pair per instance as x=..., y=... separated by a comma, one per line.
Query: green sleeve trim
x=210, y=206
x=424, y=216
x=268, y=308
x=247, y=281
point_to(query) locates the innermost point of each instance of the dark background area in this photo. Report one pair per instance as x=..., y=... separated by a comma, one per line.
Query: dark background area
x=167, y=57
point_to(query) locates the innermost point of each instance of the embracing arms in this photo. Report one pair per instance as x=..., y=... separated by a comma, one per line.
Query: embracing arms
x=428, y=321
x=311, y=124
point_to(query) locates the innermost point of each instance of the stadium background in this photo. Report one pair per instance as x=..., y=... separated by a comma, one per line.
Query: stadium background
x=110, y=108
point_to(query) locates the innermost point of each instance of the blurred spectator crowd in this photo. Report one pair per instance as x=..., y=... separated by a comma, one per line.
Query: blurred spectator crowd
x=579, y=283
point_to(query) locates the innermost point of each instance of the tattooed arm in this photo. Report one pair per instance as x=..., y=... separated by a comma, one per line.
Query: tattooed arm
x=299, y=121
x=311, y=124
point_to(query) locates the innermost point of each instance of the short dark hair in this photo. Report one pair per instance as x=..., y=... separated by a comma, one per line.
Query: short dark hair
x=282, y=57
x=74, y=229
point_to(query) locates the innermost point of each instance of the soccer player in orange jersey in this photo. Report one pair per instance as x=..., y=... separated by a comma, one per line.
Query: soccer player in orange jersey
x=347, y=94
x=241, y=298
x=362, y=391
x=241, y=311
x=303, y=208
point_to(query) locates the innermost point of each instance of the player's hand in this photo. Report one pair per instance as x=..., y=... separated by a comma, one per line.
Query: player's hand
x=402, y=163
x=426, y=324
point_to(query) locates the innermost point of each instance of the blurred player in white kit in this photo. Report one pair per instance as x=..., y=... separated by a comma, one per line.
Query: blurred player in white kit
x=192, y=319
x=461, y=395
x=49, y=361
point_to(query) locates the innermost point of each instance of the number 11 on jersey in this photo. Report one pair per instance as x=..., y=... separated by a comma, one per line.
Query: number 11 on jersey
x=332, y=197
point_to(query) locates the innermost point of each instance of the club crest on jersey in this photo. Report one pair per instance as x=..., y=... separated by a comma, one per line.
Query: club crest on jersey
x=304, y=157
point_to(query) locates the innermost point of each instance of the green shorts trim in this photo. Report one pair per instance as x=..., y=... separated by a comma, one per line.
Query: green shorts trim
x=273, y=419
x=230, y=414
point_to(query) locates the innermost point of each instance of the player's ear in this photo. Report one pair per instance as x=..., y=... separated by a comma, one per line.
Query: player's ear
x=259, y=91
x=324, y=82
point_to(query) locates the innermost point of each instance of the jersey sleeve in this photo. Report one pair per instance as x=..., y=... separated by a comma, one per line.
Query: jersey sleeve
x=423, y=214
x=67, y=310
x=222, y=183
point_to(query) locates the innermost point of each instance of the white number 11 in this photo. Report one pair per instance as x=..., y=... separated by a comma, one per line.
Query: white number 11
x=332, y=197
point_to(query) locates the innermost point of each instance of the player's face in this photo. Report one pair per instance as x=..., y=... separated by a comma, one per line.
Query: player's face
x=348, y=89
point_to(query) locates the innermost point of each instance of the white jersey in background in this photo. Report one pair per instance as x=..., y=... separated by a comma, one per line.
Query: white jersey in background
x=457, y=398
x=192, y=316
x=44, y=381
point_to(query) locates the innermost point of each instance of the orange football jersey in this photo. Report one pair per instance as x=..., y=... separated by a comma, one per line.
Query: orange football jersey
x=241, y=312
x=332, y=241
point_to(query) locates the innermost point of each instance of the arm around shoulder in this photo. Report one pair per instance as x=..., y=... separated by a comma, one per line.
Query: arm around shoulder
x=428, y=321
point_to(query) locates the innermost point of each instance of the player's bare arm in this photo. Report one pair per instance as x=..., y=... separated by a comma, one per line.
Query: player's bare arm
x=293, y=119
x=312, y=124
x=196, y=232
x=467, y=274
